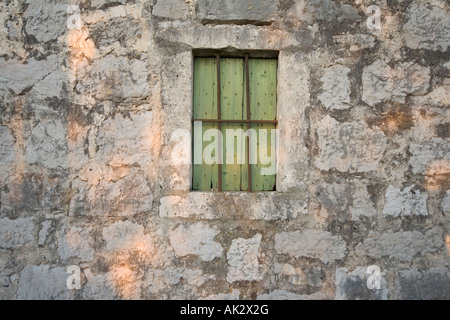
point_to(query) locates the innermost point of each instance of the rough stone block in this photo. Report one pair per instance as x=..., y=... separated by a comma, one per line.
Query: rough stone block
x=312, y=244
x=381, y=83
x=287, y=295
x=43, y=283
x=47, y=144
x=124, y=30
x=125, y=197
x=43, y=233
x=336, y=88
x=45, y=19
x=229, y=11
x=432, y=284
x=405, y=202
x=196, y=239
x=233, y=295
x=127, y=236
x=354, y=42
x=33, y=192
x=427, y=27
x=350, y=146
x=243, y=260
x=98, y=287
x=125, y=141
x=15, y=233
x=313, y=11
x=173, y=9
x=255, y=206
x=75, y=242
x=445, y=204
x=346, y=200
x=115, y=79
x=353, y=285
x=19, y=76
x=401, y=245
x=423, y=155
x=7, y=154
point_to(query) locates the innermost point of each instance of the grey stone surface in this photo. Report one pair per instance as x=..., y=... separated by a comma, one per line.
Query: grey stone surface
x=196, y=239
x=427, y=27
x=127, y=236
x=401, y=245
x=47, y=144
x=173, y=9
x=46, y=19
x=423, y=155
x=350, y=146
x=354, y=42
x=353, y=285
x=17, y=232
x=405, y=202
x=346, y=200
x=336, y=88
x=233, y=295
x=431, y=284
x=75, y=242
x=310, y=12
x=312, y=244
x=286, y=295
x=128, y=196
x=249, y=206
x=7, y=153
x=98, y=287
x=115, y=78
x=43, y=283
x=243, y=258
x=445, y=204
x=43, y=233
x=262, y=11
x=19, y=76
x=382, y=83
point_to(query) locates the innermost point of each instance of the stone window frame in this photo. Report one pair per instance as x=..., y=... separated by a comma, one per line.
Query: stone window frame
x=290, y=199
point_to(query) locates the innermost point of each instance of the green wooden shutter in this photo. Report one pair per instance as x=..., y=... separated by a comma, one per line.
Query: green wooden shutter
x=263, y=99
x=205, y=177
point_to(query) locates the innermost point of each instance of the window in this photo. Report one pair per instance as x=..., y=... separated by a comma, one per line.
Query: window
x=234, y=123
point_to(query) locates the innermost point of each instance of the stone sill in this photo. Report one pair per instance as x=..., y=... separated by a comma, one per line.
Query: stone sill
x=268, y=206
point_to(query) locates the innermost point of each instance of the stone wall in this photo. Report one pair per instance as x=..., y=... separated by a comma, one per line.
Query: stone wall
x=94, y=92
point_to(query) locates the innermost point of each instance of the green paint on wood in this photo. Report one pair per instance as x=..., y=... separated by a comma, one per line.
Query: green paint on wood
x=232, y=82
x=205, y=176
x=263, y=100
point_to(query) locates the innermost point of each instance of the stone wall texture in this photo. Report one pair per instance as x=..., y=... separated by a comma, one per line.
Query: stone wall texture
x=95, y=96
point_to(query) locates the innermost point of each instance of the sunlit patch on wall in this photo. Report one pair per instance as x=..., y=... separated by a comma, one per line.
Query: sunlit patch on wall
x=437, y=175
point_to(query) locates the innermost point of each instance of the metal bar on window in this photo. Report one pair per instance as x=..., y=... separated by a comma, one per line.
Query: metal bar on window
x=237, y=121
x=247, y=89
x=219, y=116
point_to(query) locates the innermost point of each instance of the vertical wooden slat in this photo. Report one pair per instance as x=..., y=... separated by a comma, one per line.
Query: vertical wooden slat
x=205, y=177
x=248, y=112
x=219, y=115
x=232, y=90
x=263, y=87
